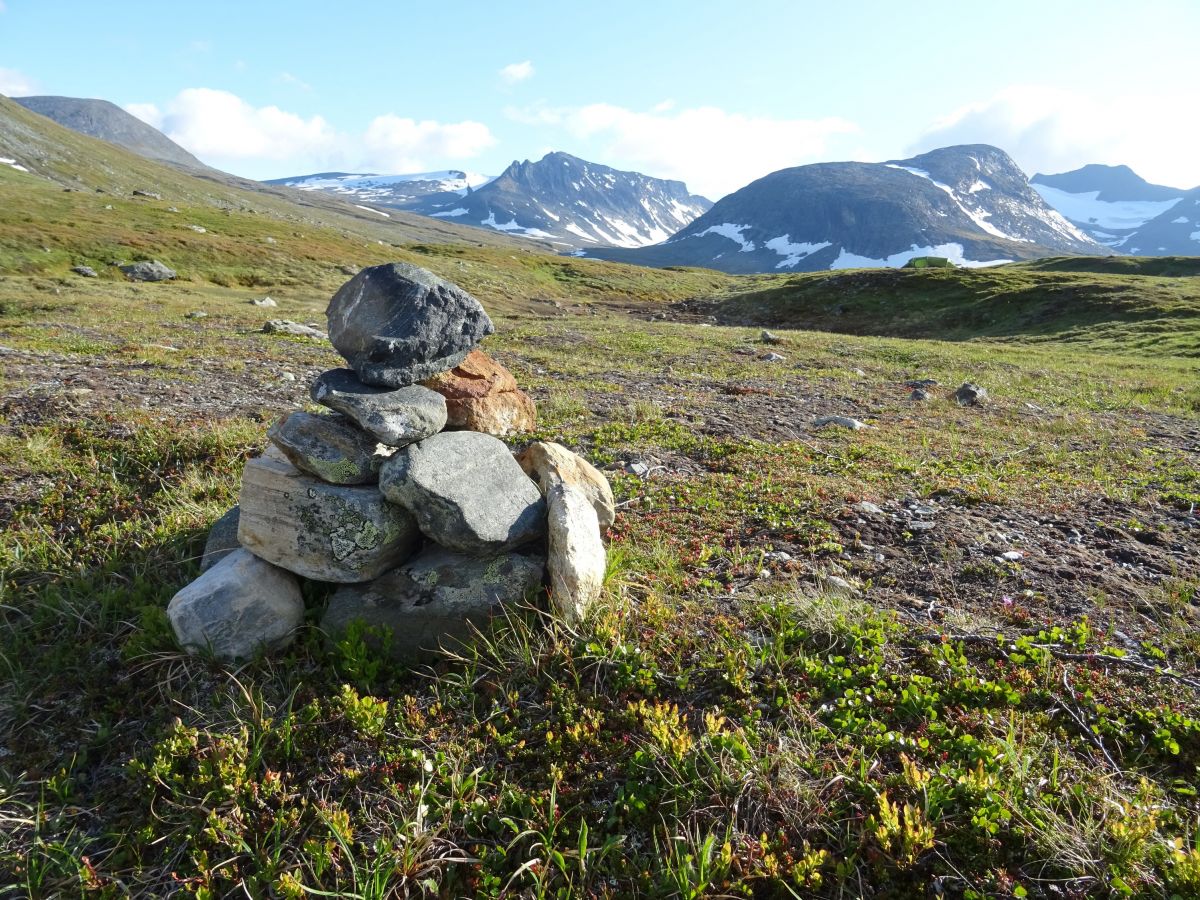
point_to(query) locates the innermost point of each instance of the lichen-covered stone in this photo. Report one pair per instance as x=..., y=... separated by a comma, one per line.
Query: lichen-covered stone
x=239, y=605
x=548, y=463
x=467, y=492
x=577, y=561
x=222, y=539
x=327, y=532
x=397, y=324
x=330, y=447
x=434, y=599
x=397, y=417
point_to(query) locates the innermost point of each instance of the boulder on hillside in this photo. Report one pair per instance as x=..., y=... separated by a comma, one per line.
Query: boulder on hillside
x=329, y=446
x=970, y=394
x=398, y=324
x=295, y=329
x=466, y=492
x=327, y=532
x=239, y=605
x=84, y=271
x=548, y=463
x=577, y=561
x=222, y=539
x=148, y=271
x=434, y=599
x=397, y=417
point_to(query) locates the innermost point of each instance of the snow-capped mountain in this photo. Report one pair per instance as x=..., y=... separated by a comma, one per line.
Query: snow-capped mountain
x=970, y=204
x=567, y=201
x=1120, y=209
x=574, y=203
x=401, y=191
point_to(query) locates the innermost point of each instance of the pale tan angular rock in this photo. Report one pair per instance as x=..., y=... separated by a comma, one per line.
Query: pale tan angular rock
x=548, y=463
x=326, y=532
x=476, y=376
x=503, y=414
x=577, y=561
x=240, y=604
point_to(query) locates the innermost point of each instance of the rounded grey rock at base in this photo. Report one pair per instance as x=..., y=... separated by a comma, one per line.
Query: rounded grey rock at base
x=395, y=416
x=466, y=492
x=397, y=324
x=239, y=605
x=434, y=600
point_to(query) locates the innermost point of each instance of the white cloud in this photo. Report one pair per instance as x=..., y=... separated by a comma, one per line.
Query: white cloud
x=219, y=125
x=147, y=112
x=225, y=131
x=395, y=144
x=514, y=72
x=1053, y=130
x=14, y=84
x=713, y=150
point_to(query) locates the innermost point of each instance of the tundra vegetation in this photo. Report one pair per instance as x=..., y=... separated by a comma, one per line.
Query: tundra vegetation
x=953, y=654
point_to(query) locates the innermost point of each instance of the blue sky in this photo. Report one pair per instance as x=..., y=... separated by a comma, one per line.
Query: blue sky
x=715, y=93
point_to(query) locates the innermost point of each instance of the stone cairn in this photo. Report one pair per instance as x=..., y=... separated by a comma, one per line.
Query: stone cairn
x=403, y=494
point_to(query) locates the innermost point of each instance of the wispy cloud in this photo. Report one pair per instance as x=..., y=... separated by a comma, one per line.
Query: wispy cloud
x=289, y=78
x=515, y=72
x=714, y=150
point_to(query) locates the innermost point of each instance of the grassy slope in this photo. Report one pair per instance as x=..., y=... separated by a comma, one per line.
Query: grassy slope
x=1120, y=305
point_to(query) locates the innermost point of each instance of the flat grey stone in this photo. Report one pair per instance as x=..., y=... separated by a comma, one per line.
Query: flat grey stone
x=295, y=329
x=84, y=271
x=467, y=492
x=148, y=271
x=398, y=324
x=327, y=532
x=222, y=539
x=397, y=417
x=330, y=447
x=239, y=605
x=433, y=600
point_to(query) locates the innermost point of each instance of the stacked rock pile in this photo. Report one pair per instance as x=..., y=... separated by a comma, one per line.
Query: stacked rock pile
x=403, y=494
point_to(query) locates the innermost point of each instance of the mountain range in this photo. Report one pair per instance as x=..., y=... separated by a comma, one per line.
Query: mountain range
x=1122, y=210
x=970, y=204
x=567, y=201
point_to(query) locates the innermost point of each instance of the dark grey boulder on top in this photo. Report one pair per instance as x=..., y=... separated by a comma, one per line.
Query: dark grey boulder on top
x=222, y=539
x=466, y=492
x=398, y=324
x=434, y=599
x=396, y=417
x=148, y=271
x=328, y=446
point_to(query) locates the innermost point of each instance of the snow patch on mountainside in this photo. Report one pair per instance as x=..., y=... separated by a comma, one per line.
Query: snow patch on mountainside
x=953, y=252
x=376, y=211
x=1182, y=220
x=979, y=217
x=12, y=164
x=731, y=231
x=513, y=227
x=452, y=214
x=1118, y=214
x=793, y=253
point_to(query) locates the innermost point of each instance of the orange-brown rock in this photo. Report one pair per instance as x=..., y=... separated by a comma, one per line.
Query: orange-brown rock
x=476, y=376
x=501, y=414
